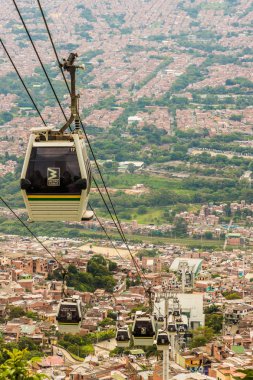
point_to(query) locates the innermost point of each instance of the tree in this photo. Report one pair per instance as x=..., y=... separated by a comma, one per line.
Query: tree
x=131, y=168
x=248, y=374
x=107, y=322
x=214, y=321
x=17, y=367
x=142, y=210
x=16, y=312
x=97, y=265
x=148, y=253
x=212, y=309
x=180, y=227
x=208, y=235
x=201, y=336
x=231, y=295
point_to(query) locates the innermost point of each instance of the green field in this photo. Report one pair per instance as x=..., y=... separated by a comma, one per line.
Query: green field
x=53, y=229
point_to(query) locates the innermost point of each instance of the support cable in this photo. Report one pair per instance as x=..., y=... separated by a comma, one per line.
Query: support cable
x=37, y=54
x=22, y=81
x=83, y=128
x=118, y=224
x=52, y=42
x=32, y=233
x=35, y=106
x=122, y=237
x=106, y=233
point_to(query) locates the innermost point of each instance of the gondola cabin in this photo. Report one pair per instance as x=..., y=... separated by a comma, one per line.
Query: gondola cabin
x=172, y=328
x=159, y=321
x=176, y=312
x=56, y=176
x=188, y=335
x=143, y=330
x=181, y=327
x=123, y=337
x=162, y=341
x=69, y=315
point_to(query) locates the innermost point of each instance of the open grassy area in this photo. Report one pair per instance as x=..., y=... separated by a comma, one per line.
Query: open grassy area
x=153, y=215
x=126, y=180
x=9, y=226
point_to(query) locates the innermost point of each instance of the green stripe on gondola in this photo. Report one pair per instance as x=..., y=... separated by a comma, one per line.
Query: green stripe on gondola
x=53, y=199
x=73, y=324
x=143, y=337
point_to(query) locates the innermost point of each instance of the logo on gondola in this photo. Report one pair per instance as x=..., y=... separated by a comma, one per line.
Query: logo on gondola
x=53, y=176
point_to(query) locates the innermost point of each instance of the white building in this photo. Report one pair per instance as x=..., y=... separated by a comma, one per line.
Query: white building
x=191, y=305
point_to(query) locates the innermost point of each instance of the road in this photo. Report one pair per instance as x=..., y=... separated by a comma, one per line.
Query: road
x=67, y=357
x=104, y=348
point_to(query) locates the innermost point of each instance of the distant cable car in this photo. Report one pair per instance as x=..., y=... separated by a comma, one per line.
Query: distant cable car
x=176, y=312
x=56, y=175
x=188, y=335
x=176, y=308
x=162, y=340
x=69, y=315
x=143, y=330
x=181, y=327
x=159, y=321
x=123, y=337
x=172, y=328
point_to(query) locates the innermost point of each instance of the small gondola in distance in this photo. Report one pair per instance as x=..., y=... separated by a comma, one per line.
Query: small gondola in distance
x=143, y=331
x=123, y=337
x=162, y=340
x=69, y=315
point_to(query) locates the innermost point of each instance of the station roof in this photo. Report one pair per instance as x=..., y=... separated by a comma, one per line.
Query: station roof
x=194, y=264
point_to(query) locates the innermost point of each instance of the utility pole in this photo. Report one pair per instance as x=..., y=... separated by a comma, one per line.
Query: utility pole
x=169, y=304
x=183, y=266
x=166, y=360
x=223, y=321
x=166, y=366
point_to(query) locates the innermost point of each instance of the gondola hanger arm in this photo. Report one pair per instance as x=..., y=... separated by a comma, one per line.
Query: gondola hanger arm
x=68, y=65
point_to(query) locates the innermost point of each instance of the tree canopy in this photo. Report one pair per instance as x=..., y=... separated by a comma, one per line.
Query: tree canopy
x=17, y=367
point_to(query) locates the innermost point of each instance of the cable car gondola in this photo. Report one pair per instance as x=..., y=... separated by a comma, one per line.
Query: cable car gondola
x=182, y=324
x=159, y=321
x=181, y=327
x=188, y=335
x=56, y=175
x=69, y=315
x=143, y=330
x=172, y=328
x=123, y=337
x=162, y=340
x=176, y=308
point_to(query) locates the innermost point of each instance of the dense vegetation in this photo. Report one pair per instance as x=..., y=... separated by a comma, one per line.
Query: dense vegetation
x=99, y=275
x=16, y=366
x=82, y=345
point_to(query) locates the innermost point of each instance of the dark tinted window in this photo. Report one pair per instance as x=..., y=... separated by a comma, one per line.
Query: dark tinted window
x=143, y=328
x=53, y=170
x=122, y=336
x=68, y=313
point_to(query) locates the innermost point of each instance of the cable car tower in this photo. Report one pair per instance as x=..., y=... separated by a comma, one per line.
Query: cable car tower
x=56, y=175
